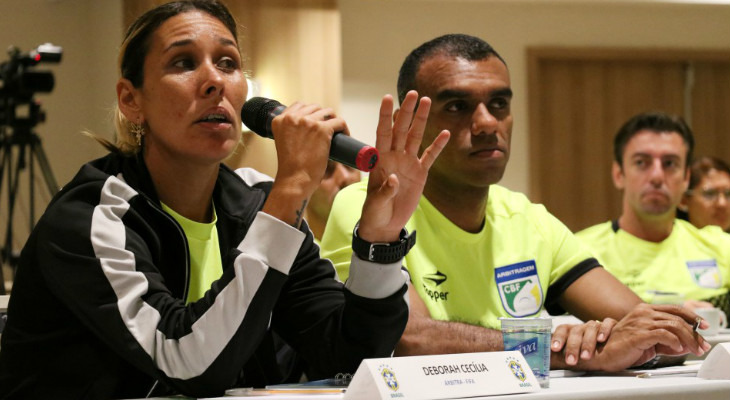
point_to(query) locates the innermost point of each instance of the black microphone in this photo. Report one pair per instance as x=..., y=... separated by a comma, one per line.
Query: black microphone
x=258, y=112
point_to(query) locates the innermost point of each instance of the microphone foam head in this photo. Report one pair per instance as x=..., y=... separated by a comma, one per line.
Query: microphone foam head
x=256, y=113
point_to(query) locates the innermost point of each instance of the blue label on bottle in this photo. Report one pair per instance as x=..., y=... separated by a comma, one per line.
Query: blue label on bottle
x=526, y=347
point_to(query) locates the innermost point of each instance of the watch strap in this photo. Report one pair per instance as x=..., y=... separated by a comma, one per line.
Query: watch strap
x=383, y=253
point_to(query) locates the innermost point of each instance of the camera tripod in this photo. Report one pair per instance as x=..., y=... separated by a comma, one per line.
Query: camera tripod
x=18, y=85
x=29, y=153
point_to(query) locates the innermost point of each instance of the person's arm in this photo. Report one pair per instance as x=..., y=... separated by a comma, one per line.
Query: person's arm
x=424, y=335
x=300, y=126
x=596, y=295
x=334, y=329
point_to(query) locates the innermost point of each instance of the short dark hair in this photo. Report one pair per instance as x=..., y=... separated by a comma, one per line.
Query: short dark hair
x=656, y=122
x=137, y=39
x=702, y=166
x=455, y=45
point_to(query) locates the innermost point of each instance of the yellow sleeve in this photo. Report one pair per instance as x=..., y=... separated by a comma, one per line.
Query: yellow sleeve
x=568, y=250
x=337, y=238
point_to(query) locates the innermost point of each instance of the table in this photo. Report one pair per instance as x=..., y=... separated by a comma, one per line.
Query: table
x=593, y=388
x=629, y=387
x=597, y=387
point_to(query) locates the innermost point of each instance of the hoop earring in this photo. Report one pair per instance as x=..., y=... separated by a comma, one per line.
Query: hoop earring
x=138, y=131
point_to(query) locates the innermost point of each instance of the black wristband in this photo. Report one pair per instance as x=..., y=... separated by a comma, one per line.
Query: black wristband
x=383, y=253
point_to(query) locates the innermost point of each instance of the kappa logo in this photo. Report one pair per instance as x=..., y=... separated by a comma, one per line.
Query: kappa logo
x=437, y=278
x=519, y=288
x=705, y=273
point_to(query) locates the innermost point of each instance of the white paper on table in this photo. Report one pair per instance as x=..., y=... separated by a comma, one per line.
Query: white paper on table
x=690, y=368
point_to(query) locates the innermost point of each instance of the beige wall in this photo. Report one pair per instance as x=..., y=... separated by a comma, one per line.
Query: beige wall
x=293, y=51
x=89, y=32
x=378, y=34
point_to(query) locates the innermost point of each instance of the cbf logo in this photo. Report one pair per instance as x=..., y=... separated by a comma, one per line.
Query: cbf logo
x=519, y=288
x=705, y=273
x=516, y=369
x=389, y=377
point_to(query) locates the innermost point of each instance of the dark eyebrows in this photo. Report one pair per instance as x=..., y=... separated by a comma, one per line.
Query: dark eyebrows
x=507, y=92
x=227, y=42
x=184, y=42
x=451, y=94
x=447, y=94
x=663, y=157
x=178, y=43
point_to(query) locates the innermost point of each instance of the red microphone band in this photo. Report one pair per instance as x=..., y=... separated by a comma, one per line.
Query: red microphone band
x=366, y=158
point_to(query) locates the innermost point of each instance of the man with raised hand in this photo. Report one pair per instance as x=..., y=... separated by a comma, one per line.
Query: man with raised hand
x=485, y=252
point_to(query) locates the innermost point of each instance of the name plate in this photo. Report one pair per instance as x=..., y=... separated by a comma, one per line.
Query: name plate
x=442, y=377
x=717, y=364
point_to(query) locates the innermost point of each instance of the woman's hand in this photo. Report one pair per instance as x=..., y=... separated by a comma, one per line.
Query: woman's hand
x=302, y=134
x=396, y=183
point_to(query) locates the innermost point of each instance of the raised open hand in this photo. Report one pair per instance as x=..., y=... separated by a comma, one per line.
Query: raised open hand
x=396, y=183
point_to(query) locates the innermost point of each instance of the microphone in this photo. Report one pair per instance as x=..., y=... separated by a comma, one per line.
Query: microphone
x=258, y=112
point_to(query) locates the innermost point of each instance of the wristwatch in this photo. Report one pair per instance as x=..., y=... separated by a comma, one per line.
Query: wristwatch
x=383, y=253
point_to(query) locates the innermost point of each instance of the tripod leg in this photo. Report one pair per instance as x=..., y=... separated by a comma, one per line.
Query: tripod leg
x=35, y=150
x=13, y=180
x=40, y=155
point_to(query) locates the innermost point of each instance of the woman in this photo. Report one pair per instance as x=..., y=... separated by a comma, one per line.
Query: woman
x=158, y=270
x=707, y=202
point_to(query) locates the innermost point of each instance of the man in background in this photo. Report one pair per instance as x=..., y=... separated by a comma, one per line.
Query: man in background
x=647, y=247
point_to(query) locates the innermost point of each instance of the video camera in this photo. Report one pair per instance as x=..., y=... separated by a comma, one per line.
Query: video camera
x=19, y=82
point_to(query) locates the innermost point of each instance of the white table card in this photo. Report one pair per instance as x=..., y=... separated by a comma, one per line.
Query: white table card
x=446, y=376
x=716, y=364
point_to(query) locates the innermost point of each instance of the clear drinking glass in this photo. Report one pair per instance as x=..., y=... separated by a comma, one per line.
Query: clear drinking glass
x=530, y=336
